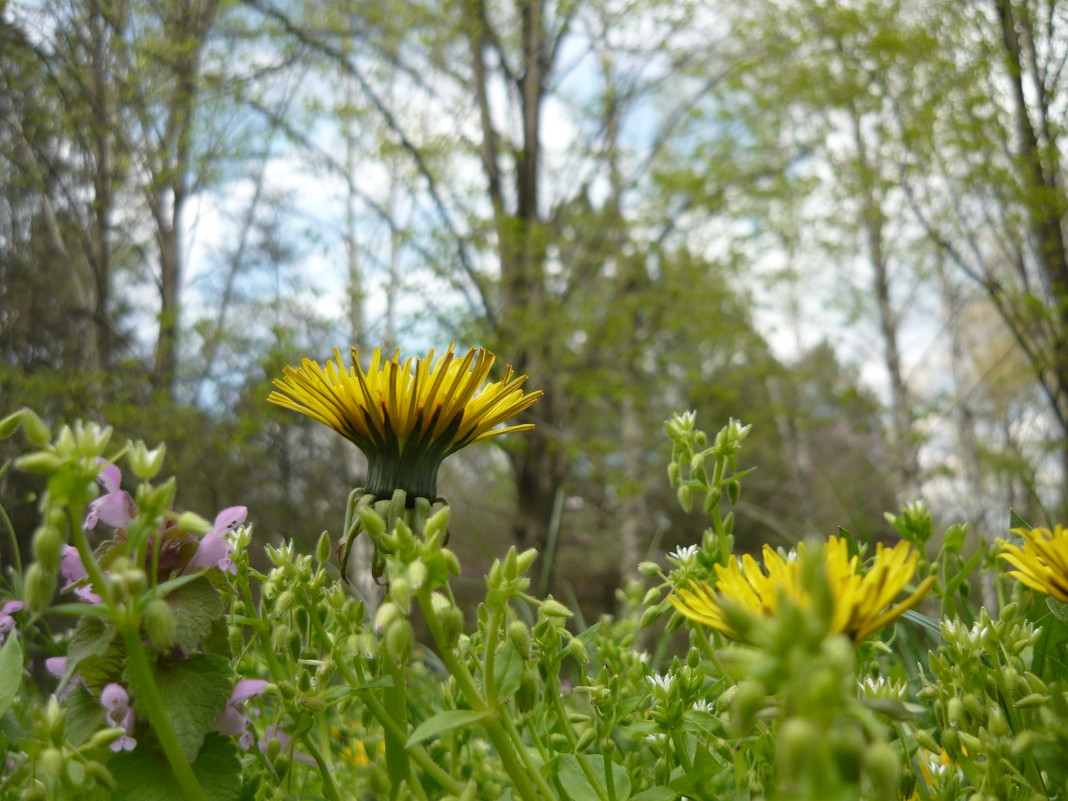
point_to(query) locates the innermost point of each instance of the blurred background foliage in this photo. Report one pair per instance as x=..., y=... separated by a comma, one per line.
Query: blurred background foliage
x=840, y=221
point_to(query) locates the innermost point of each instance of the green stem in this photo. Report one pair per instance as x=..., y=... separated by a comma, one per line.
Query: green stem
x=492, y=630
x=81, y=543
x=498, y=737
x=416, y=752
x=329, y=788
x=151, y=703
x=609, y=778
x=395, y=700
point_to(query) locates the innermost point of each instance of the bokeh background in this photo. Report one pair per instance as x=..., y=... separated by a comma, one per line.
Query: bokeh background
x=842, y=222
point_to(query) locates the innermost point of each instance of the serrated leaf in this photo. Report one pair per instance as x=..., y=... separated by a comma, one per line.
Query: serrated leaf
x=91, y=638
x=507, y=671
x=576, y=785
x=84, y=714
x=196, y=606
x=1057, y=607
x=1015, y=521
x=10, y=672
x=445, y=721
x=194, y=691
x=144, y=774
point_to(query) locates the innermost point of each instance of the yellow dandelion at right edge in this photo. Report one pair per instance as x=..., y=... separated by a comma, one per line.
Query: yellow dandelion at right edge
x=1042, y=562
x=863, y=600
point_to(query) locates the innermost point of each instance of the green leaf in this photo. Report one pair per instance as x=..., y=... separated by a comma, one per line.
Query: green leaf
x=94, y=654
x=194, y=691
x=507, y=671
x=656, y=794
x=84, y=714
x=144, y=775
x=10, y=672
x=196, y=606
x=850, y=540
x=1057, y=607
x=445, y=721
x=1015, y=521
x=576, y=785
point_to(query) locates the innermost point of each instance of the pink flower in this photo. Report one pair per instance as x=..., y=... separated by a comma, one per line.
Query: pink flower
x=235, y=719
x=74, y=572
x=214, y=550
x=116, y=701
x=115, y=507
x=7, y=623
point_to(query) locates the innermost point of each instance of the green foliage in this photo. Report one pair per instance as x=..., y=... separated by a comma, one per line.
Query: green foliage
x=514, y=701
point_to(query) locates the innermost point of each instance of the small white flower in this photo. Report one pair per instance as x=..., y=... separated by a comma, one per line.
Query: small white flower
x=684, y=556
x=661, y=684
x=882, y=687
x=643, y=657
x=701, y=705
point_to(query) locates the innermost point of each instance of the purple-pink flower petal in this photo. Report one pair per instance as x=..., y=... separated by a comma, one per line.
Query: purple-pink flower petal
x=229, y=519
x=247, y=688
x=110, y=478
x=56, y=665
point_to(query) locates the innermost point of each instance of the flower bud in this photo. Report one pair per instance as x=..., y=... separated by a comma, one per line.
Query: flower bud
x=526, y=695
x=510, y=564
x=525, y=560
x=585, y=740
x=399, y=641
x=673, y=473
x=9, y=424
x=386, y=614
x=452, y=564
x=951, y=742
x=39, y=586
x=996, y=722
x=400, y=592
x=954, y=710
x=550, y=607
x=144, y=463
x=685, y=497
x=1024, y=742
x=52, y=763
x=323, y=548
x=48, y=542
x=105, y=737
x=55, y=721
x=747, y=701
x=578, y=651
x=449, y=617
x=437, y=525
x=883, y=767
x=793, y=746
x=192, y=523
x=160, y=625
x=39, y=462
x=925, y=740
x=649, y=616
x=651, y=569
x=36, y=430
x=417, y=573
x=519, y=636
x=100, y=774
x=372, y=522
x=734, y=489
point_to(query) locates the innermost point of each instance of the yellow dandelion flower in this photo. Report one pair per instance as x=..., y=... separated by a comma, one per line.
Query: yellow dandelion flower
x=1042, y=562
x=406, y=418
x=355, y=753
x=862, y=600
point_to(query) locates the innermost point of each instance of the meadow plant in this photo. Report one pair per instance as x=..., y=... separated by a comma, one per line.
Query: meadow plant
x=150, y=653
